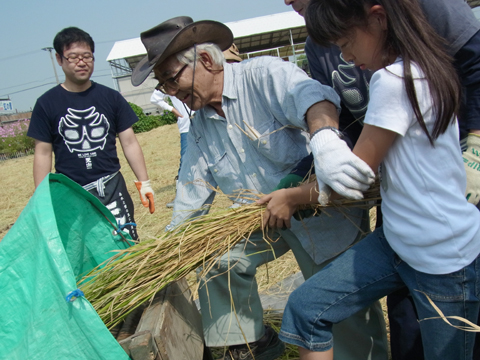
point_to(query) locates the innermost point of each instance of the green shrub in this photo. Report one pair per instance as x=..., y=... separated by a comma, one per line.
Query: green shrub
x=168, y=118
x=149, y=122
x=14, y=139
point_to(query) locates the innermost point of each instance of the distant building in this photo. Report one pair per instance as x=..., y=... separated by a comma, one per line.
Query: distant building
x=281, y=35
x=6, y=106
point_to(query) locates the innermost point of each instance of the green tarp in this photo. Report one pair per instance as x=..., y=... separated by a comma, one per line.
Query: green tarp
x=63, y=232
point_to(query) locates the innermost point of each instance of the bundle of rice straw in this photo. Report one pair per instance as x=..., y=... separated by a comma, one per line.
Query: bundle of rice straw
x=134, y=275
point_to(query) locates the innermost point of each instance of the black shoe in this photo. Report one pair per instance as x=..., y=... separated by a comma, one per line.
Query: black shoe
x=269, y=347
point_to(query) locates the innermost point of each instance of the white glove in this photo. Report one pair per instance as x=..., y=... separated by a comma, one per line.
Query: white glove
x=146, y=194
x=471, y=159
x=338, y=168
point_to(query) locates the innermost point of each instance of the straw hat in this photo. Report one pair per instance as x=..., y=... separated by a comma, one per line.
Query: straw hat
x=175, y=35
x=232, y=54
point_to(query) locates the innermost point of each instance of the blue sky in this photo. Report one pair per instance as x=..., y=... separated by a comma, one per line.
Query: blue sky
x=26, y=27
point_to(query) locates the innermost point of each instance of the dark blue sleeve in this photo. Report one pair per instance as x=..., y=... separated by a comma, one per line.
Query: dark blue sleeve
x=304, y=166
x=40, y=125
x=323, y=62
x=317, y=63
x=467, y=62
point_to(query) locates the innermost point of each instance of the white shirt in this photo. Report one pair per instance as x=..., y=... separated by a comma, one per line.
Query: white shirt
x=183, y=122
x=427, y=220
x=158, y=98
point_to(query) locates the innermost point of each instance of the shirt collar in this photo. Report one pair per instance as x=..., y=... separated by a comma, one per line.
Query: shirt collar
x=229, y=91
x=229, y=86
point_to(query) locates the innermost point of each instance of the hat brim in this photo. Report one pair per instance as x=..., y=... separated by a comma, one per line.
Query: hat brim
x=141, y=71
x=205, y=31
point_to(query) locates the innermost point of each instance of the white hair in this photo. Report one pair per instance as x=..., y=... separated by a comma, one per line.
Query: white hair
x=186, y=56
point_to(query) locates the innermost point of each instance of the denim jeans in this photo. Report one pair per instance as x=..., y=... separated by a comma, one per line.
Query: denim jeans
x=369, y=271
x=232, y=312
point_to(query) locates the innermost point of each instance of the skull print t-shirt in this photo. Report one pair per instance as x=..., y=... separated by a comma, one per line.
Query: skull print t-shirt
x=82, y=128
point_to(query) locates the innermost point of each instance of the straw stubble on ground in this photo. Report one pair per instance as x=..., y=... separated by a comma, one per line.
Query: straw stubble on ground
x=161, y=149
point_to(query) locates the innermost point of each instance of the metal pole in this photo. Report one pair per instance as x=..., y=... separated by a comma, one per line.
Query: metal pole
x=293, y=48
x=49, y=49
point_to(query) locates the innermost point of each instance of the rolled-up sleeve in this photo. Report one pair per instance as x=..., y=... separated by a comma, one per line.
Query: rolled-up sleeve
x=292, y=93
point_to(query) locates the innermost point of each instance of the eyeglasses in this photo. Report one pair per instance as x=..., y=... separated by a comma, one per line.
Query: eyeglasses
x=171, y=83
x=75, y=58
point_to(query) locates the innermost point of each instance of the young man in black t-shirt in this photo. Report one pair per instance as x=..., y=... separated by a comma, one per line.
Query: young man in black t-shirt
x=79, y=120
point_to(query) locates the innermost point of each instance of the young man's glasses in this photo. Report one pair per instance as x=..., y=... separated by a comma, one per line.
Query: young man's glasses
x=75, y=58
x=171, y=83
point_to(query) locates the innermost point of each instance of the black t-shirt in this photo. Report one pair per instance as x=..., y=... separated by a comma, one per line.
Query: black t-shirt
x=82, y=129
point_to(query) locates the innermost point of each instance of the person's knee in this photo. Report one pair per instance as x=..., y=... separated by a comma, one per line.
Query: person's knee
x=294, y=305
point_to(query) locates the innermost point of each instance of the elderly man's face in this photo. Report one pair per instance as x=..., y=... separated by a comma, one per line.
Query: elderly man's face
x=300, y=6
x=180, y=78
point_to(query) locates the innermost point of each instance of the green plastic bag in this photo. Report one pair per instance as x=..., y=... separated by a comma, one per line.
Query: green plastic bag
x=62, y=233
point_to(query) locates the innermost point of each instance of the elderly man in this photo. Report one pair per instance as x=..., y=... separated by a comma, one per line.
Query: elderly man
x=247, y=134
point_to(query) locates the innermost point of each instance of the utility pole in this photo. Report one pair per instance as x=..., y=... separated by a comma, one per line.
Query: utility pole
x=49, y=49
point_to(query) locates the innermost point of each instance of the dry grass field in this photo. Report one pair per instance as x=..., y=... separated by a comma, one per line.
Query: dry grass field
x=161, y=148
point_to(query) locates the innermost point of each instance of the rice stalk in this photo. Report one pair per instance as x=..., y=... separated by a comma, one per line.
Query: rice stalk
x=470, y=328
x=134, y=275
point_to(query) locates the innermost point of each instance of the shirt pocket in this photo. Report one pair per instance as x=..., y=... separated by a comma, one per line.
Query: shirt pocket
x=278, y=148
x=224, y=174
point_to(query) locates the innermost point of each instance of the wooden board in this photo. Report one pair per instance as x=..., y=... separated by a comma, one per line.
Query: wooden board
x=169, y=329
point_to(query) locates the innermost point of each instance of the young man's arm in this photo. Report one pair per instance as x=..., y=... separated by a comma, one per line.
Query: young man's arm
x=42, y=161
x=134, y=155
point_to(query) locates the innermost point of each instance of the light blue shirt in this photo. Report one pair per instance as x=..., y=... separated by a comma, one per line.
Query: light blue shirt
x=258, y=142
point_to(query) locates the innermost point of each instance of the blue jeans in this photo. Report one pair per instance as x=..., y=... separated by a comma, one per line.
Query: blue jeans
x=232, y=312
x=369, y=271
